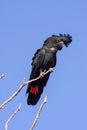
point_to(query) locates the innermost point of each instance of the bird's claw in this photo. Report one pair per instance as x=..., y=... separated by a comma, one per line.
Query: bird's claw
x=42, y=74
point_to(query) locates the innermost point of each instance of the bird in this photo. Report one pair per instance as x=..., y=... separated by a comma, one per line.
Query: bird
x=43, y=59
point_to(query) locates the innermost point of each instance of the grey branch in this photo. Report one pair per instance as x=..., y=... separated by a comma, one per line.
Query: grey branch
x=22, y=85
x=1, y=76
x=38, y=113
x=11, y=117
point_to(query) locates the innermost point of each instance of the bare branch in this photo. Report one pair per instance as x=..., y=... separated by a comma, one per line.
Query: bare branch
x=1, y=76
x=12, y=116
x=38, y=113
x=22, y=85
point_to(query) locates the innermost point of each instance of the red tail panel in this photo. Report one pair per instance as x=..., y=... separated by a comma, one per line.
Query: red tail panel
x=34, y=90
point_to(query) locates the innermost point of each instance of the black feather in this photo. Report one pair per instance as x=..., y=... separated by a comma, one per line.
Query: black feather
x=43, y=59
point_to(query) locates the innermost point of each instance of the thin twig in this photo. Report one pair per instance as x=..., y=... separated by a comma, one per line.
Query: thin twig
x=11, y=117
x=21, y=86
x=38, y=113
x=1, y=76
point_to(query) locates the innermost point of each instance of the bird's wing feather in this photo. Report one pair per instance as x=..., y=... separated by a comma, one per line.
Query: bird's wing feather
x=37, y=62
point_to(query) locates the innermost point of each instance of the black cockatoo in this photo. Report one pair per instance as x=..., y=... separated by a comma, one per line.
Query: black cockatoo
x=44, y=59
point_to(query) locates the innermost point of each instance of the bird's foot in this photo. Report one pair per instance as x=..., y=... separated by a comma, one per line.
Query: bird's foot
x=42, y=74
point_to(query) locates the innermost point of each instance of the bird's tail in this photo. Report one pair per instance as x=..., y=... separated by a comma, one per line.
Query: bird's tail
x=34, y=94
x=35, y=89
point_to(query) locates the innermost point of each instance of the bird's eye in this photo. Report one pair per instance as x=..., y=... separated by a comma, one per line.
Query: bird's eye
x=59, y=40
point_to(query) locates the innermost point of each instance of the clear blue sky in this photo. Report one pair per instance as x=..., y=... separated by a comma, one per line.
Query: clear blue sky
x=24, y=25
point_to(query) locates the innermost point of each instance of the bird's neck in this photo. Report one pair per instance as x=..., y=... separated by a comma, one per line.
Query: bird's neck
x=53, y=49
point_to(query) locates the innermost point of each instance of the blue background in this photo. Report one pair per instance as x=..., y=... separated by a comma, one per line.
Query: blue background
x=24, y=25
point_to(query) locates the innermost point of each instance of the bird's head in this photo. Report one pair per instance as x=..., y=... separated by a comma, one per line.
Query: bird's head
x=57, y=42
x=62, y=40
